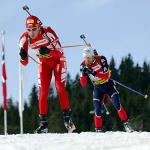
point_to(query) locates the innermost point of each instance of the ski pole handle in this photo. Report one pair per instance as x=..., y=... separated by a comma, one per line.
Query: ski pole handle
x=88, y=44
x=26, y=8
x=83, y=38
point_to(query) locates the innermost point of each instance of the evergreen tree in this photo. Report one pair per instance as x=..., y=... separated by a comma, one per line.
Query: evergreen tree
x=31, y=112
x=12, y=117
x=114, y=71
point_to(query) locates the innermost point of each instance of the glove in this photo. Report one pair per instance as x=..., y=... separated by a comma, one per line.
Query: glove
x=23, y=54
x=44, y=50
x=87, y=70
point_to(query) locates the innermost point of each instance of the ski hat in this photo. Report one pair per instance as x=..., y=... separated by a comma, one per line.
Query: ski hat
x=88, y=52
x=32, y=21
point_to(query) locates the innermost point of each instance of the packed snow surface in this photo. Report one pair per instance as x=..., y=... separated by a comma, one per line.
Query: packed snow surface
x=75, y=141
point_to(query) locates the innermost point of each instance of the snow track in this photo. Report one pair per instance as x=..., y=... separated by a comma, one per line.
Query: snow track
x=74, y=141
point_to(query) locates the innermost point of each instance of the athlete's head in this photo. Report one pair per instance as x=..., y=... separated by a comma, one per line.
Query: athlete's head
x=88, y=55
x=33, y=25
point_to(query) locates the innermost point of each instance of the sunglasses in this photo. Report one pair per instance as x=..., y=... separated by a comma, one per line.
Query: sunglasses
x=32, y=29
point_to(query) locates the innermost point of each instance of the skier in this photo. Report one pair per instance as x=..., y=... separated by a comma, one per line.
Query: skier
x=47, y=47
x=96, y=68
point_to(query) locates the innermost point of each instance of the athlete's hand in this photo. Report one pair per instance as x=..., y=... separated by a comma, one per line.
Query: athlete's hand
x=23, y=54
x=44, y=50
x=87, y=70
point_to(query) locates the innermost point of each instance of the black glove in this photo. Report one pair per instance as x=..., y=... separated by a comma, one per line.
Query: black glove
x=87, y=70
x=23, y=54
x=44, y=50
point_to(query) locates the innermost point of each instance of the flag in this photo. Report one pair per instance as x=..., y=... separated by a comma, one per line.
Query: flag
x=4, y=78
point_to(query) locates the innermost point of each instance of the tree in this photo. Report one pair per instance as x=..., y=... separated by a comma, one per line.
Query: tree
x=31, y=111
x=114, y=71
x=138, y=109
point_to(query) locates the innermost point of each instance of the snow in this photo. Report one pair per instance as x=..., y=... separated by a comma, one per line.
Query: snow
x=75, y=141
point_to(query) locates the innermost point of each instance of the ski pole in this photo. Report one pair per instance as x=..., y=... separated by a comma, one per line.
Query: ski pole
x=83, y=38
x=144, y=95
x=58, y=48
x=130, y=89
x=34, y=59
x=107, y=112
x=86, y=43
x=105, y=107
x=26, y=8
x=68, y=46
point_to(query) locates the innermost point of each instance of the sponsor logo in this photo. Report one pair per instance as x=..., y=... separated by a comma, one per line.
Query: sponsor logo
x=30, y=21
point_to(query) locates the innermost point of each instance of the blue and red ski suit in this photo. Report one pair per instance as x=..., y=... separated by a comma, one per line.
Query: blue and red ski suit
x=99, y=73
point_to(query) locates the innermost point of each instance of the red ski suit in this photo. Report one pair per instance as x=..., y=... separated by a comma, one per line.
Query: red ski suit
x=54, y=62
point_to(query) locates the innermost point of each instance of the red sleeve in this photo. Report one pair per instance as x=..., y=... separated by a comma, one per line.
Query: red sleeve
x=23, y=44
x=83, y=81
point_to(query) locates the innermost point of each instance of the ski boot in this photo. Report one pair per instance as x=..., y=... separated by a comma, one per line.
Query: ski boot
x=43, y=126
x=68, y=121
x=127, y=127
